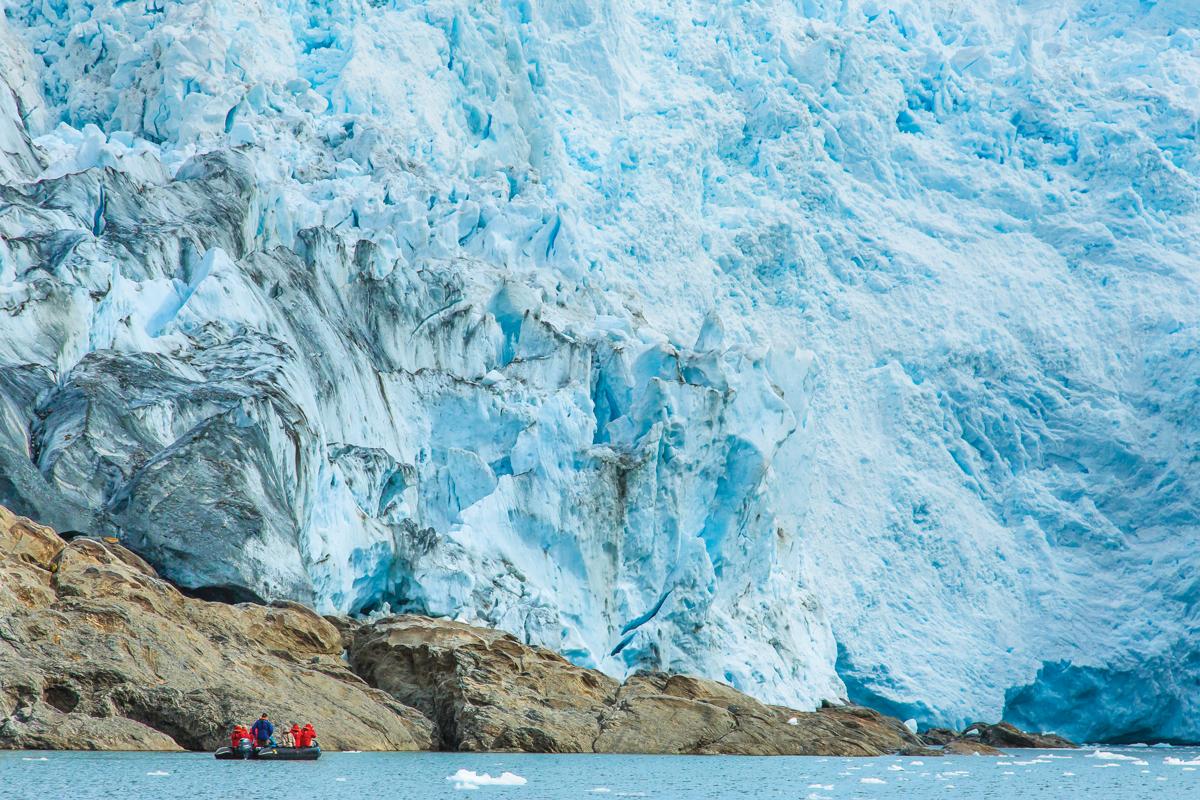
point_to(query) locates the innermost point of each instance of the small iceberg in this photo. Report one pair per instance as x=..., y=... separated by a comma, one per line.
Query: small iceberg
x=1179, y=762
x=1107, y=756
x=158, y=773
x=872, y=780
x=469, y=779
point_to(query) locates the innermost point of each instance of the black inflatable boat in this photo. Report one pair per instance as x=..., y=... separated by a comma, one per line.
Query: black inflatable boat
x=269, y=753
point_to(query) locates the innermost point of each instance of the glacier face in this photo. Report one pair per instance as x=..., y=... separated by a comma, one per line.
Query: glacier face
x=825, y=348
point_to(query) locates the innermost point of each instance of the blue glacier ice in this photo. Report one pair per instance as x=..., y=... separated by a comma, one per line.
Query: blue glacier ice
x=828, y=348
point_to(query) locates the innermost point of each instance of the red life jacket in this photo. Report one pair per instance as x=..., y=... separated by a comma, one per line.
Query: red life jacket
x=308, y=735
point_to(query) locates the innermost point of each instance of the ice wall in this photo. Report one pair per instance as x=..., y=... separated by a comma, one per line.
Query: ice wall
x=823, y=348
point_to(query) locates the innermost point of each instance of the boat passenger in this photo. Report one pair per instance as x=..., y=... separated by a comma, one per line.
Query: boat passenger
x=262, y=731
x=236, y=737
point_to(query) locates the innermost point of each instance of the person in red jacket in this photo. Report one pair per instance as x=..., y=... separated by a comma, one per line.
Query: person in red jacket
x=238, y=734
x=308, y=735
x=297, y=735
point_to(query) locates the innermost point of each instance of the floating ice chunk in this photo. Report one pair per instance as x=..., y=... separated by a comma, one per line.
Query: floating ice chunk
x=41, y=758
x=916, y=763
x=1179, y=762
x=1102, y=766
x=896, y=768
x=1107, y=756
x=1068, y=774
x=826, y=786
x=469, y=779
x=872, y=780
x=158, y=773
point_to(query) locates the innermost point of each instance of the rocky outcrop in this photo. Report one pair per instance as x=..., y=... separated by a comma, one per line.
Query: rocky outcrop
x=939, y=736
x=1003, y=734
x=98, y=652
x=484, y=690
x=970, y=747
x=984, y=739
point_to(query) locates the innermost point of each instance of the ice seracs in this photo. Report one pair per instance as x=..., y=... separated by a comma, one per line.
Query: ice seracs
x=824, y=350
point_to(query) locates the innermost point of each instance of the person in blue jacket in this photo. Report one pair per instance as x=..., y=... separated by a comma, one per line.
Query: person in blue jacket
x=262, y=731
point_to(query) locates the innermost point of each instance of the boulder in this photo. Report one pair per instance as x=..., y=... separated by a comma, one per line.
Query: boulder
x=1003, y=734
x=485, y=690
x=969, y=747
x=939, y=736
x=98, y=652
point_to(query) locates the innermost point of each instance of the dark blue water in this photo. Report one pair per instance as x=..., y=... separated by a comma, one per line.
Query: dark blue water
x=1129, y=774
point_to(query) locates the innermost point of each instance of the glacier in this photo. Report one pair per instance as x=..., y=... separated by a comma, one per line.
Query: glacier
x=831, y=349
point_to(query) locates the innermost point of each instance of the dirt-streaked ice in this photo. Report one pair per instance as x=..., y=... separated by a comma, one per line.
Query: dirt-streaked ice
x=823, y=348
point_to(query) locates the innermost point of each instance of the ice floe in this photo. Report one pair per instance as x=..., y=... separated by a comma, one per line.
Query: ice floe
x=469, y=779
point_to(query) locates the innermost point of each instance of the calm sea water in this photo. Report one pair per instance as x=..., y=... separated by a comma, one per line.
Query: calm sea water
x=1109, y=774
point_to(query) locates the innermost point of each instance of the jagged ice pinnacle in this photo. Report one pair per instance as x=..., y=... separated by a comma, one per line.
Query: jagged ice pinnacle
x=825, y=348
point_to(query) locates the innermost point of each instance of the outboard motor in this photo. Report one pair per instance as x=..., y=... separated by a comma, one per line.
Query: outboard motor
x=244, y=748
